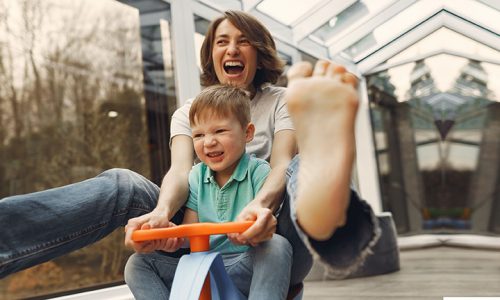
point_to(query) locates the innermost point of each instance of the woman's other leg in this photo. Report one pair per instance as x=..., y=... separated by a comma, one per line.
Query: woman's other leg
x=345, y=251
x=40, y=226
x=333, y=222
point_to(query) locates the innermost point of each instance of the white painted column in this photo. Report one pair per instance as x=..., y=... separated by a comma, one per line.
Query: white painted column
x=366, y=163
x=187, y=77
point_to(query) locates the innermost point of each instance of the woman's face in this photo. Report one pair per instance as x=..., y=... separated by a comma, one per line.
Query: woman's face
x=234, y=58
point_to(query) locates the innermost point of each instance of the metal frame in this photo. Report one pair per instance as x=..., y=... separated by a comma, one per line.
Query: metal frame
x=415, y=34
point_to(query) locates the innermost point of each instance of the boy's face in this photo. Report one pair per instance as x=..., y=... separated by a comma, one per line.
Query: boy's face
x=219, y=142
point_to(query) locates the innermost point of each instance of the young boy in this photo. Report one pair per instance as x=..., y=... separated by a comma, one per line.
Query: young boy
x=219, y=188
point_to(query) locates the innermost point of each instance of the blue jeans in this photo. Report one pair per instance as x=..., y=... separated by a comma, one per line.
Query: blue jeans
x=48, y=224
x=263, y=272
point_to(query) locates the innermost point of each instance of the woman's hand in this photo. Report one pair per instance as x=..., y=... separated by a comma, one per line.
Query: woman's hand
x=262, y=230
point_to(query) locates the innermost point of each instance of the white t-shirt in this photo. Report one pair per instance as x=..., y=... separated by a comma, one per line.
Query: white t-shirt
x=269, y=115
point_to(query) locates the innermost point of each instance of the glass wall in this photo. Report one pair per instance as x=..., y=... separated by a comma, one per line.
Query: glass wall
x=86, y=85
x=437, y=137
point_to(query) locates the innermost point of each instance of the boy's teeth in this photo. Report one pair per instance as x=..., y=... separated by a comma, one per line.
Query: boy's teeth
x=214, y=154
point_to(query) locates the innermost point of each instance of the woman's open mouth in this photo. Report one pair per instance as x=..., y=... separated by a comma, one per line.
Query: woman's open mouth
x=234, y=67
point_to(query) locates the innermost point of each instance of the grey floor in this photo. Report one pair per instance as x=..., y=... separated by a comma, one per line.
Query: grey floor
x=429, y=273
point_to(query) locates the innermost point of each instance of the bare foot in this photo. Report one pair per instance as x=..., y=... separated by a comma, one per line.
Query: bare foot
x=323, y=103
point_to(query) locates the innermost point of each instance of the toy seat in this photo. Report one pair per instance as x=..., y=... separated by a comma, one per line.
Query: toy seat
x=201, y=274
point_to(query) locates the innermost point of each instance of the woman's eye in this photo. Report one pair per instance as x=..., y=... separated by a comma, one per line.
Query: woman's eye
x=221, y=42
x=245, y=42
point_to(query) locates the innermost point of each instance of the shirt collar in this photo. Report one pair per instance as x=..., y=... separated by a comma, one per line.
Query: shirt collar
x=239, y=173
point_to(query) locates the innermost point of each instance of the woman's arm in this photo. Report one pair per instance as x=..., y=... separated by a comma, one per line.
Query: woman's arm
x=269, y=198
x=283, y=150
x=173, y=193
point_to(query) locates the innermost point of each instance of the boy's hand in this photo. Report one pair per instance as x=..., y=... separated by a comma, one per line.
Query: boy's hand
x=147, y=221
x=262, y=230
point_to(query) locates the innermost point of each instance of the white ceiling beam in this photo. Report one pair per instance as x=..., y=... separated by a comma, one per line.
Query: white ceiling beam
x=250, y=4
x=278, y=29
x=443, y=19
x=464, y=26
x=311, y=47
x=205, y=11
x=433, y=53
x=492, y=3
x=223, y=5
x=318, y=16
x=341, y=42
x=479, y=21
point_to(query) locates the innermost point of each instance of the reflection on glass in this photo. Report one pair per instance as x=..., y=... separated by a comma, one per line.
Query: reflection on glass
x=437, y=142
x=71, y=105
x=350, y=18
x=340, y=22
x=159, y=81
x=274, y=8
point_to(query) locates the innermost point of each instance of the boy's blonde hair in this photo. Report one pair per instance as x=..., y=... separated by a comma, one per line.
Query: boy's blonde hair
x=221, y=101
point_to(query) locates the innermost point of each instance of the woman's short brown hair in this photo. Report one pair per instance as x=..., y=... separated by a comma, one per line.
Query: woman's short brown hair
x=221, y=101
x=269, y=65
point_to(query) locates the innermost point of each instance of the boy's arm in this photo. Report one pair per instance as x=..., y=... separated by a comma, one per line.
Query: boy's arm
x=173, y=194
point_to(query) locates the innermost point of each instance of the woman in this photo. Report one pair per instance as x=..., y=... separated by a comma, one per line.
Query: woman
x=238, y=50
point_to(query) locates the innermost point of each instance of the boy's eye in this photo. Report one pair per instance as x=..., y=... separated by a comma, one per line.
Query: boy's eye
x=220, y=131
x=197, y=136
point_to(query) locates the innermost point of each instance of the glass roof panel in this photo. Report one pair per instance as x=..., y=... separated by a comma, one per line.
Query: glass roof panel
x=392, y=28
x=446, y=39
x=285, y=12
x=351, y=17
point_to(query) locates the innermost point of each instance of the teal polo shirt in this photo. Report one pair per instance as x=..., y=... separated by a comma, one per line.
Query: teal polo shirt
x=223, y=204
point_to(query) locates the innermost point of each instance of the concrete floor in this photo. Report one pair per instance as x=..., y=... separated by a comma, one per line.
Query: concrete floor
x=429, y=273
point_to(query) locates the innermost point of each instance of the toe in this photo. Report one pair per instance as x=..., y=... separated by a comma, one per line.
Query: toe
x=299, y=70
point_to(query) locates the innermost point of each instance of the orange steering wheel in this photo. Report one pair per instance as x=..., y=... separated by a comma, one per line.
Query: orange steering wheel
x=198, y=233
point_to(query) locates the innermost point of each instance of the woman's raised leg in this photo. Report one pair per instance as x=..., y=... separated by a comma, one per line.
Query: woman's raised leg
x=40, y=226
